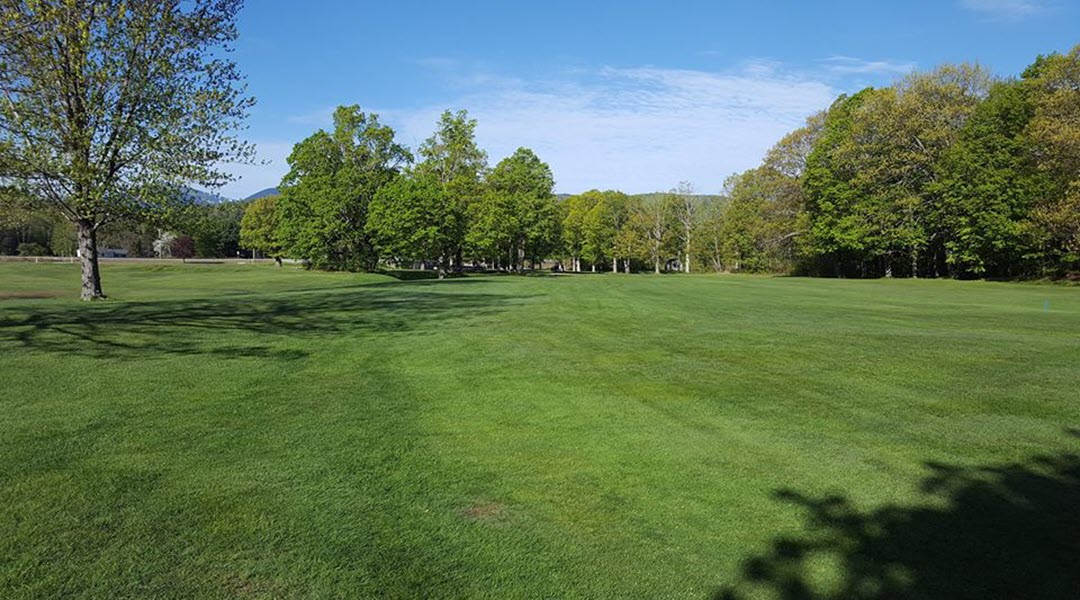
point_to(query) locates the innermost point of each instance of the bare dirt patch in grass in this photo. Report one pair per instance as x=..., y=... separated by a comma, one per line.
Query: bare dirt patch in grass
x=486, y=512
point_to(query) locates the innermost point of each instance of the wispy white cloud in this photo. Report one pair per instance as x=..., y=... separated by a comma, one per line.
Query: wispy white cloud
x=1008, y=10
x=848, y=65
x=636, y=129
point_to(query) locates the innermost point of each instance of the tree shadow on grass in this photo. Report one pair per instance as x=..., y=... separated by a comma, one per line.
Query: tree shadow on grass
x=203, y=326
x=994, y=532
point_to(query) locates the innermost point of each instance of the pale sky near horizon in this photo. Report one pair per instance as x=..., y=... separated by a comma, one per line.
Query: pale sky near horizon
x=626, y=95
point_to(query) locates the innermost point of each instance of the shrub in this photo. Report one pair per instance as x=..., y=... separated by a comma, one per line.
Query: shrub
x=33, y=249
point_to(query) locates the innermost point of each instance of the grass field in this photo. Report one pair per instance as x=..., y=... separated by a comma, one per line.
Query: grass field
x=232, y=431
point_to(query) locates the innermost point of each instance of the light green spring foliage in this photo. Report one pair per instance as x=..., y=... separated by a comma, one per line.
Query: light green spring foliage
x=598, y=227
x=112, y=106
x=760, y=224
x=1054, y=132
x=259, y=226
x=516, y=218
x=944, y=173
x=109, y=107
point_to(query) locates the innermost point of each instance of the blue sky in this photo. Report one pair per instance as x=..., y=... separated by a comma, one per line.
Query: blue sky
x=613, y=94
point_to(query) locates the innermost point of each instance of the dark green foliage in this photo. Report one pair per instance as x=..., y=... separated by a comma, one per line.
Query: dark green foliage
x=32, y=249
x=216, y=229
x=333, y=176
x=988, y=186
x=516, y=218
x=836, y=235
x=410, y=220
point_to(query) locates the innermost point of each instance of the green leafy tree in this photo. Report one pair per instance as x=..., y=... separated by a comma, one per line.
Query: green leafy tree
x=518, y=216
x=743, y=227
x=1054, y=134
x=111, y=107
x=630, y=241
x=259, y=227
x=494, y=227
x=988, y=185
x=215, y=229
x=452, y=158
x=710, y=241
x=871, y=178
x=62, y=239
x=574, y=211
x=410, y=219
x=332, y=178
x=655, y=219
x=837, y=232
x=607, y=216
x=685, y=209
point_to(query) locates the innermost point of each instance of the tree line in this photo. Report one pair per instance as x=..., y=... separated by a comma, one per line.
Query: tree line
x=946, y=173
x=949, y=173
x=199, y=230
x=112, y=110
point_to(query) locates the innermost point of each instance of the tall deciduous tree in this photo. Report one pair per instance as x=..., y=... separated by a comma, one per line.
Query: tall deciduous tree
x=871, y=177
x=685, y=208
x=518, y=217
x=988, y=185
x=1054, y=133
x=259, y=227
x=453, y=159
x=574, y=227
x=656, y=220
x=111, y=106
x=604, y=221
x=411, y=220
x=332, y=178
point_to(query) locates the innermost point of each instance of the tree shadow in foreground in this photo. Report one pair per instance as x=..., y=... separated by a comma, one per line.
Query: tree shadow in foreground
x=1008, y=531
x=202, y=326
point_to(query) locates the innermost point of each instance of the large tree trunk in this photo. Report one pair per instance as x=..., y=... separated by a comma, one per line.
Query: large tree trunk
x=91, y=275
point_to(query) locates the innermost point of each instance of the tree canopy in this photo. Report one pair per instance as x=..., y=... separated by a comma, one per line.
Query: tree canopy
x=111, y=107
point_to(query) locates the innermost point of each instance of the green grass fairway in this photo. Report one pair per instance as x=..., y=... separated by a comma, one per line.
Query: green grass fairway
x=237, y=431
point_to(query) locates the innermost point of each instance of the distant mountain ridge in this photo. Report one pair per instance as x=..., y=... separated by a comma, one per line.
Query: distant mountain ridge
x=201, y=197
x=208, y=198
x=699, y=198
x=270, y=191
x=655, y=196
